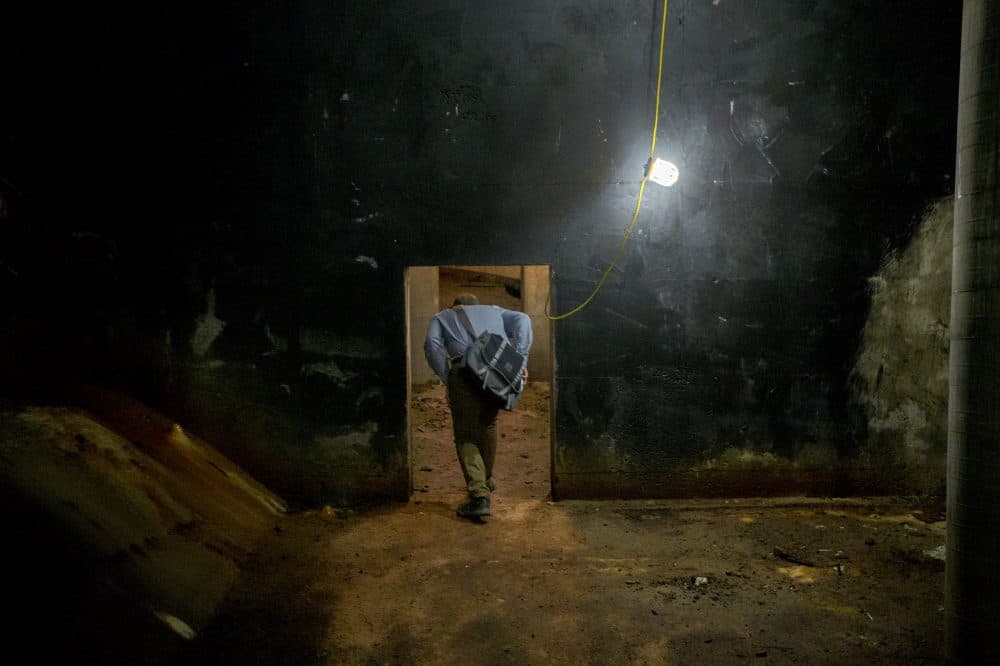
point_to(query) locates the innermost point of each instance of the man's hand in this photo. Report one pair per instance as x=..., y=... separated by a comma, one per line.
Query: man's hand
x=524, y=374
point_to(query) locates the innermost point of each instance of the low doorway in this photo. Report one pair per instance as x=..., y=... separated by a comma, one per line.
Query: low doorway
x=523, y=467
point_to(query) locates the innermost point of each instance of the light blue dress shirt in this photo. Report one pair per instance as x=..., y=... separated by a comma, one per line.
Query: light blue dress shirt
x=448, y=339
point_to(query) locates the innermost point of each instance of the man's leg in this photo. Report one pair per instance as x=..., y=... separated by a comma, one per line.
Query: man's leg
x=473, y=468
x=468, y=421
x=487, y=438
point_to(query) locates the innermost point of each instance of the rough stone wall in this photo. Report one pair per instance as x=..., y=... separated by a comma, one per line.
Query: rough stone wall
x=901, y=374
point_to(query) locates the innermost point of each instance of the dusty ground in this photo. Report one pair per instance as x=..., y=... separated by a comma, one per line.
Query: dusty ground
x=795, y=580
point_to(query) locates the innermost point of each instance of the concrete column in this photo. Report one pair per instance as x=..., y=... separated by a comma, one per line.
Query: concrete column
x=534, y=292
x=421, y=305
x=972, y=569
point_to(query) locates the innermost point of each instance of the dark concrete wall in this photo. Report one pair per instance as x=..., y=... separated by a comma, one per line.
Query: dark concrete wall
x=216, y=209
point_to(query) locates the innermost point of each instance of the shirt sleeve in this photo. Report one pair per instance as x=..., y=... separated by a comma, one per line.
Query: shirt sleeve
x=434, y=350
x=517, y=325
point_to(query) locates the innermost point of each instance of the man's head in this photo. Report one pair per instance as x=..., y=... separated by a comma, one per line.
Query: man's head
x=466, y=299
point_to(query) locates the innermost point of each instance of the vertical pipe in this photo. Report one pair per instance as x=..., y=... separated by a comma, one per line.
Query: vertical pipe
x=972, y=570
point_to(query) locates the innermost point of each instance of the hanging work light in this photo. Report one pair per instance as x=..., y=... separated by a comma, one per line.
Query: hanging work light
x=659, y=171
x=662, y=172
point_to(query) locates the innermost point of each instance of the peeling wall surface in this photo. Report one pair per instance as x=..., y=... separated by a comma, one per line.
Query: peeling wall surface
x=901, y=374
x=216, y=215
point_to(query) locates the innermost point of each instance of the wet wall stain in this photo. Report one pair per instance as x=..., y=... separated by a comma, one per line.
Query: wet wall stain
x=257, y=154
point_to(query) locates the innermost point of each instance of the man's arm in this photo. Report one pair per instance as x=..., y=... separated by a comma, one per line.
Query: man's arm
x=434, y=351
x=518, y=328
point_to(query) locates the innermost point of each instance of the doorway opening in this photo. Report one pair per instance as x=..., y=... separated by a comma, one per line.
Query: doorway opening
x=523, y=467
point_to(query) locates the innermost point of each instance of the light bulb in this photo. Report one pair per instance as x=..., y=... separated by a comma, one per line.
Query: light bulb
x=663, y=172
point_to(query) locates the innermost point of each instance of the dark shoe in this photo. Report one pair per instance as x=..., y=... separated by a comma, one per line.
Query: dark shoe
x=491, y=484
x=477, y=506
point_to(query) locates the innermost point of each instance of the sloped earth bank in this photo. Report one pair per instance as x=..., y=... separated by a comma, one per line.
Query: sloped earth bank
x=793, y=580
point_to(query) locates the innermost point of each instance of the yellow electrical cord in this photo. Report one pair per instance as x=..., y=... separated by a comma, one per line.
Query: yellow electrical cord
x=638, y=201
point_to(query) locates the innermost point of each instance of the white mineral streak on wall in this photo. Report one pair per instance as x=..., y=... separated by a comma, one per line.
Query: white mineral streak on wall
x=207, y=327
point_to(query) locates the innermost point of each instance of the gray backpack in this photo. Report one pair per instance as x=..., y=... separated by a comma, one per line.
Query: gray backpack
x=494, y=364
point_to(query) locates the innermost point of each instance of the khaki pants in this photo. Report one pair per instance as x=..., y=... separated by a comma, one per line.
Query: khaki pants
x=474, y=417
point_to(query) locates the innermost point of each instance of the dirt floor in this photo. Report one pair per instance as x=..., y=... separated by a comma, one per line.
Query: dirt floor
x=792, y=580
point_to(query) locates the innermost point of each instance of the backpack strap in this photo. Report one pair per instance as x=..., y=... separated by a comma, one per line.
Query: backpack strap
x=463, y=317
